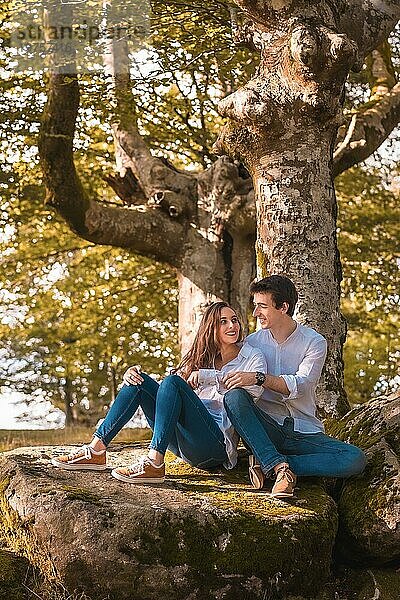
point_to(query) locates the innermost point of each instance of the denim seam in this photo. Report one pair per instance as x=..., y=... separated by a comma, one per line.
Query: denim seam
x=166, y=427
x=321, y=445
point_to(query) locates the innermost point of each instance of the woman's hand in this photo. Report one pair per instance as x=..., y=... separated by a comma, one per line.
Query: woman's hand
x=236, y=379
x=193, y=379
x=132, y=376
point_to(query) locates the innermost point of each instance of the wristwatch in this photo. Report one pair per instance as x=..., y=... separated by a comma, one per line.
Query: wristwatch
x=260, y=378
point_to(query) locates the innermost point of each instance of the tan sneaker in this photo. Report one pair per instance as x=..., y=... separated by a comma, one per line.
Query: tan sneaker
x=285, y=483
x=84, y=458
x=142, y=471
x=255, y=473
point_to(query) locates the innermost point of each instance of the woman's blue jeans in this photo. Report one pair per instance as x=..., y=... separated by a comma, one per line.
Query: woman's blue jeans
x=177, y=416
x=306, y=453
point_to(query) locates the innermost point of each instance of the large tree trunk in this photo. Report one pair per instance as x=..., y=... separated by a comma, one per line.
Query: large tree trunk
x=296, y=222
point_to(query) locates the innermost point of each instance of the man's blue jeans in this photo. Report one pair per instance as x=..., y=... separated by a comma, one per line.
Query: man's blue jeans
x=177, y=416
x=271, y=443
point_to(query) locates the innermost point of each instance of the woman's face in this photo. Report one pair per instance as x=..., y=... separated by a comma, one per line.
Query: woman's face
x=229, y=327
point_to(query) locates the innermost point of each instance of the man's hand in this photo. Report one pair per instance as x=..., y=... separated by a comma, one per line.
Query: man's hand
x=236, y=379
x=193, y=379
x=132, y=376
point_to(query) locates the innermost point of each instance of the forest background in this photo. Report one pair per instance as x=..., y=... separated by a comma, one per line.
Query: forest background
x=74, y=315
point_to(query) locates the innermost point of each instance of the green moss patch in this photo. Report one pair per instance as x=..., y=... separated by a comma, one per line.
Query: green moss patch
x=82, y=494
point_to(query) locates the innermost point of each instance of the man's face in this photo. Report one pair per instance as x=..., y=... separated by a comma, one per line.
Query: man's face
x=268, y=315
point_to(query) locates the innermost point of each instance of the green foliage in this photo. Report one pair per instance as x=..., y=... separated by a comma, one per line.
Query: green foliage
x=79, y=317
x=194, y=64
x=74, y=315
x=368, y=225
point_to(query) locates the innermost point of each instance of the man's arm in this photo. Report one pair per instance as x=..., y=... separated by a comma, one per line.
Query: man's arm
x=290, y=386
x=247, y=379
x=276, y=384
x=308, y=372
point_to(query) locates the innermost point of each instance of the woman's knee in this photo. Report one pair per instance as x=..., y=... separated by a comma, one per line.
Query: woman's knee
x=171, y=380
x=146, y=379
x=148, y=387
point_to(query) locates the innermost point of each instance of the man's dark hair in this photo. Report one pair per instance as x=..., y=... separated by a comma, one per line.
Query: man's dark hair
x=281, y=288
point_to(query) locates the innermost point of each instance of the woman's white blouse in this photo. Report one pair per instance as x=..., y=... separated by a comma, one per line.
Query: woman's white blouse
x=211, y=391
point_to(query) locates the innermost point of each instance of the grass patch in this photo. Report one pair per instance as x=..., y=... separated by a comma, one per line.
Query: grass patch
x=18, y=438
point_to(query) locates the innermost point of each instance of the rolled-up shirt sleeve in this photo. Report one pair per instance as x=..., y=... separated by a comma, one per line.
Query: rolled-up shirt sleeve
x=309, y=370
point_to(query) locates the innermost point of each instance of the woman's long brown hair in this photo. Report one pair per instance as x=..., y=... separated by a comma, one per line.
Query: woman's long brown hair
x=206, y=345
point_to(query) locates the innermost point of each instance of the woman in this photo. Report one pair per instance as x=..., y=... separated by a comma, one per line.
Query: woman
x=186, y=411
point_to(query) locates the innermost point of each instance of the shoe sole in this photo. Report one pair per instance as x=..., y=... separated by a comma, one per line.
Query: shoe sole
x=137, y=480
x=254, y=474
x=67, y=467
x=282, y=495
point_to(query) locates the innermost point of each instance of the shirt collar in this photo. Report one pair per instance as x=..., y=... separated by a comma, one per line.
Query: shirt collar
x=291, y=337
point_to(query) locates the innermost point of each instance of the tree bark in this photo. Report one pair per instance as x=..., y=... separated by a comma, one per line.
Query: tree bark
x=68, y=403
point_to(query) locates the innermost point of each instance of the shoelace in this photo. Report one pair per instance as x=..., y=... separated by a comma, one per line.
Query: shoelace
x=138, y=468
x=284, y=472
x=83, y=452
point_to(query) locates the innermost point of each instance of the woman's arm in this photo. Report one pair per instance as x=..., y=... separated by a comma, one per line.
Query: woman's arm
x=246, y=379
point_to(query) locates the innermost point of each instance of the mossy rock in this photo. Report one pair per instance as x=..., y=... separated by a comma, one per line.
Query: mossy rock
x=199, y=536
x=369, y=505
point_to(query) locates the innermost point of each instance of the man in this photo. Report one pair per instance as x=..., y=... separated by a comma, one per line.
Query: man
x=282, y=430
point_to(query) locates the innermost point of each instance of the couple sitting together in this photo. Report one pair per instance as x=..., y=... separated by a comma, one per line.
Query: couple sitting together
x=261, y=389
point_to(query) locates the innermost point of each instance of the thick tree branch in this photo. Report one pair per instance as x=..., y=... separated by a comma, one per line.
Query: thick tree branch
x=153, y=175
x=149, y=231
x=63, y=188
x=380, y=70
x=367, y=130
x=368, y=22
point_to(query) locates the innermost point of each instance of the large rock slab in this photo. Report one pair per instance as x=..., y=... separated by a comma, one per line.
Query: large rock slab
x=198, y=537
x=369, y=506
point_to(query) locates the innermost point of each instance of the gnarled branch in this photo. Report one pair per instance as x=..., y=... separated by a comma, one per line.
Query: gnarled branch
x=368, y=129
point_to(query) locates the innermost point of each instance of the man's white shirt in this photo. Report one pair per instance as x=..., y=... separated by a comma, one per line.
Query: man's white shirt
x=299, y=361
